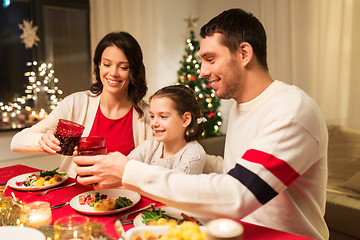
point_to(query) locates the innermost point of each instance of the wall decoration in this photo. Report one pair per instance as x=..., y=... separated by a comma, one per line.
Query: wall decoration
x=29, y=37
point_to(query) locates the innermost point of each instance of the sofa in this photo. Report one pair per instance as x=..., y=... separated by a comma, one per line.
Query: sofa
x=342, y=213
x=343, y=192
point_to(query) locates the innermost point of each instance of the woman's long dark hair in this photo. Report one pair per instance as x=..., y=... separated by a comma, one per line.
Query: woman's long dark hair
x=132, y=50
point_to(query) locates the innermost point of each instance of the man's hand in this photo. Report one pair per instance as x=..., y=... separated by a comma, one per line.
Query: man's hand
x=105, y=171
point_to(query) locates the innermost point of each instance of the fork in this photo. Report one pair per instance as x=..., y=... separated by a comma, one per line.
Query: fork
x=51, y=189
x=125, y=216
x=119, y=229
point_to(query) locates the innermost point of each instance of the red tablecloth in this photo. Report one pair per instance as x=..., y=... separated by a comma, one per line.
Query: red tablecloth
x=251, y=232
x=64, y=195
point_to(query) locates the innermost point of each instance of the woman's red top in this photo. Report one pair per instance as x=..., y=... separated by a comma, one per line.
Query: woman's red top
x=118, y=133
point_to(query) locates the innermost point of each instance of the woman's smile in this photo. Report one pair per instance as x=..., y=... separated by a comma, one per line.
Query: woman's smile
x=113, y=82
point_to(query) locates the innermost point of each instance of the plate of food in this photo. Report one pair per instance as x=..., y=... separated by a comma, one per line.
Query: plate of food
x=104, y=202
x=38, y=180
x=158, y=216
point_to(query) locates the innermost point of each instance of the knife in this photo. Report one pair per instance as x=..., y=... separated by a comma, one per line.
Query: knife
x=59, y=205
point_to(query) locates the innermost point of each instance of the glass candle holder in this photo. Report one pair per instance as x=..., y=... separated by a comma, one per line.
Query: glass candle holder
x=36, y=214
x=69, y=134
x=224, y=229
x=87, y=143
x=72, y=227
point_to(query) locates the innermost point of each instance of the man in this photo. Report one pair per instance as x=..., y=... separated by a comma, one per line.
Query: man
x=275, y=170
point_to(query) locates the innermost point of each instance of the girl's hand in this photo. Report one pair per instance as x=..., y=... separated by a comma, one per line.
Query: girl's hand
x=49, y=143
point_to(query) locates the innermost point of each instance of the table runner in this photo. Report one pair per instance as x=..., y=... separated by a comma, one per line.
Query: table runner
x=251, y=231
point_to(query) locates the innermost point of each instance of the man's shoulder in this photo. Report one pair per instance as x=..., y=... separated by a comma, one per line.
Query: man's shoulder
x=298, y=106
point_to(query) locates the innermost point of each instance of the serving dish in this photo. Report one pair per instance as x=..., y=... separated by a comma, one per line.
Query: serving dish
x=156, y=230
x=173, y=212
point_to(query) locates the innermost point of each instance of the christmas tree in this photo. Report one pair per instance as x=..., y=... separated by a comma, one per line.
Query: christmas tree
x=189, y=75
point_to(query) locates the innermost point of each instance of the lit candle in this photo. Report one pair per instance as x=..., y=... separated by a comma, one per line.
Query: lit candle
x=38, y=214
x=224, y=229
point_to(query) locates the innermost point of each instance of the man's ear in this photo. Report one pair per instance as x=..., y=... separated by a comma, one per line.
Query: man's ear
x=246, y=53
x=186, y=119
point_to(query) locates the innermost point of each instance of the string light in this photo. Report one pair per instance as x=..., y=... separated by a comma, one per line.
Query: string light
x=40, y=82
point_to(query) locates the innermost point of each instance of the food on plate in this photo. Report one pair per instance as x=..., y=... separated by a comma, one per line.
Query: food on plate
x=189, y=218
x=101, y=203
x=44, y=178
x=188, y=230
x=158, y=217
x=162, y=221
x=151, y=217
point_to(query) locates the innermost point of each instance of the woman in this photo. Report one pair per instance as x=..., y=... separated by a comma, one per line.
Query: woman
x=113, y=108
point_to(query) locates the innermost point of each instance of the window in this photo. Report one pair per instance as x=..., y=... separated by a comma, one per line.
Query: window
x=64, y=41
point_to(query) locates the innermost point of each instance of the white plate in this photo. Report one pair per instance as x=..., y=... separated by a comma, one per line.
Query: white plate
x=157, y=230
x=173, y=212
x=21, y=178
x=111, y=193
x=15, y=233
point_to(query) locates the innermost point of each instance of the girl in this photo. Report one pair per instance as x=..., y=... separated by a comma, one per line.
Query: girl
x=113, y=108
x=176, y=123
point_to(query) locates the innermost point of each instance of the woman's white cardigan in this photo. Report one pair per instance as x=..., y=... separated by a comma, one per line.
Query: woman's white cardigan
x=80, y=107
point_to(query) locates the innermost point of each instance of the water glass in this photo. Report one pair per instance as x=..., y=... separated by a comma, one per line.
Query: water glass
x=69, y=134
x=72, y=227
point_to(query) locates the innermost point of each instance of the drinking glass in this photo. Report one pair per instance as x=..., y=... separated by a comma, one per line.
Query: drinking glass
x=69, y=134
x=87, y=143
x=92, y=145
x=93, y=151
x=72, y=227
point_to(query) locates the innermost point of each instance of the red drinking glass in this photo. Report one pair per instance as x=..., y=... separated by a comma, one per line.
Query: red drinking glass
x=93, y=151
x=87, y=143
x=69, y=134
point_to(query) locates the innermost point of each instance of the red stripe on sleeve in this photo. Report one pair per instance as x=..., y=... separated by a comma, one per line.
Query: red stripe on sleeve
x=281, y=169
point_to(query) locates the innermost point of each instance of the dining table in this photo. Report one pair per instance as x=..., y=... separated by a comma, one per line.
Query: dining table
x=251, y=231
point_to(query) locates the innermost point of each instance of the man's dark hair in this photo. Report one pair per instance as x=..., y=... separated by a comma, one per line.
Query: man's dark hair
x=237, y=26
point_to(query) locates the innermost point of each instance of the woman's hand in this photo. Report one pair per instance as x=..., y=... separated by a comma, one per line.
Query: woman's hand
x=105, y=171
x=49, y=143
